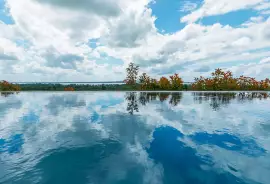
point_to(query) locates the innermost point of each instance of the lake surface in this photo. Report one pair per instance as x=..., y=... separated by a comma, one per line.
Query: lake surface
x=134, y=138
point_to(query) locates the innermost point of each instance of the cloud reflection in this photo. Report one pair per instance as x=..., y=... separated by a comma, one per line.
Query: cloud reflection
x=133, y=137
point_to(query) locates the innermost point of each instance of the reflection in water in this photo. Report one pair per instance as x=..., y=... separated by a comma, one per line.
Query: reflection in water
x=145, y=98
x=13, y=145
x=175, y=98
x=57, y=103
x=132, y=102
x=148, y=97
x=94, y=138
x=224, y=99
x=181, y=163
x=229, y=142
x=6, y=94
x=163, y=96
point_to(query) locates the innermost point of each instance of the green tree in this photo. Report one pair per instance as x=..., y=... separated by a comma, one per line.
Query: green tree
x=132, y=73
x=145, y=81
x=176, y=82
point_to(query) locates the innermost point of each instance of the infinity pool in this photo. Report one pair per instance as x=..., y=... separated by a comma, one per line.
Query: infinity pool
x=134, y=138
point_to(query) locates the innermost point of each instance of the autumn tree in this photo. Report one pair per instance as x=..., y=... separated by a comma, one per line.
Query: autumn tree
x=69, y=88
x=144, y=78
x=164, y=83
x=132, y=73
x=222, y=80
x=154, y=84
x=6, y=86
x=145, y=81
x=176, y=82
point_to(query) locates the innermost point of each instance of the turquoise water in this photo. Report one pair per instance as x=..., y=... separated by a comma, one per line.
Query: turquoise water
x=134, y=138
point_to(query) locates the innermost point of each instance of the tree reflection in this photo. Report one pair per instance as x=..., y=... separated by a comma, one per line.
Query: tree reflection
x=144, y=98
x=132, y=102
x=164, y=96
x=175, y=99
x=217, y=100
x=6, y=94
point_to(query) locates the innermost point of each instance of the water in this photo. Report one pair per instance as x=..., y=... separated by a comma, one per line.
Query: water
x=134, y=138
x=74, y=83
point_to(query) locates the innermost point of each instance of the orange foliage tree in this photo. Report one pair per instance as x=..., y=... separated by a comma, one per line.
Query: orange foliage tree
x=221, y=80
x=6, y=86
x=164, y=83
x=147, y=83
x=176, y=82
x=69, y=89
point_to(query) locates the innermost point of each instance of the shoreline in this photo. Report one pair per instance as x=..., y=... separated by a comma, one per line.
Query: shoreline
x=148, y=91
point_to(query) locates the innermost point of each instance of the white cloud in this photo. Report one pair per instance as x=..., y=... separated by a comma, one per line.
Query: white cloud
x=253, y=69
x=197, y=44
x=263, y=5
x=50, y=39
x=130, y=29
x=99, y=7
x=188, y=6
x=265, y=60
x=266, y=12
x=214, y=7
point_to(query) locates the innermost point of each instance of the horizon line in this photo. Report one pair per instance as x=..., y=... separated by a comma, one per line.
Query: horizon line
x=79, y=82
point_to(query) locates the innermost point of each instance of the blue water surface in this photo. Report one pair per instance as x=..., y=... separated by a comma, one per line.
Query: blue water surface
x=134, y=138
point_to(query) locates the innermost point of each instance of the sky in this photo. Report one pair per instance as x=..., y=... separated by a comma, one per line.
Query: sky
x=95, y=40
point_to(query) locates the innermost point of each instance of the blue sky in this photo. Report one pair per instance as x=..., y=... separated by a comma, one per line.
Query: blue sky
x=86, y=40
x=4, y=14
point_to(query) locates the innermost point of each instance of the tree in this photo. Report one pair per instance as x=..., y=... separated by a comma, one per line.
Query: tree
x=132, y=73
x=143, y=78
x=145, y=81
x=154, y=84
x=6, y=86
x=176, y=82
x=164, y=83
x=221, y=80
x=69, y=88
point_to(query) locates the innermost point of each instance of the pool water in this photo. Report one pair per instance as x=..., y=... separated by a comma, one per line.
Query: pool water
x=134, y=138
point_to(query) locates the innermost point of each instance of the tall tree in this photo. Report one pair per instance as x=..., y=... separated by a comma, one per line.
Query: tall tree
x=176, y=82
x=164, y=83
x=132, y=73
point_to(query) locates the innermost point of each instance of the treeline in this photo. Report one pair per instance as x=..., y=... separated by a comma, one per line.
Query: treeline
x=219, y=81
x=75, y=87
x=147, y=83
x=214, y=99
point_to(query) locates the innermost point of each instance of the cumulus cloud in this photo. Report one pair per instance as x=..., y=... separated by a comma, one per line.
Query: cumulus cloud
x=261, y=70
x=265, y=60
x=66, y=61
x=198, y=44
x=130, y=29
x=52, y=38
x=99, y=7
x=7, y=57
x=213, y=7
x=203, y=69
